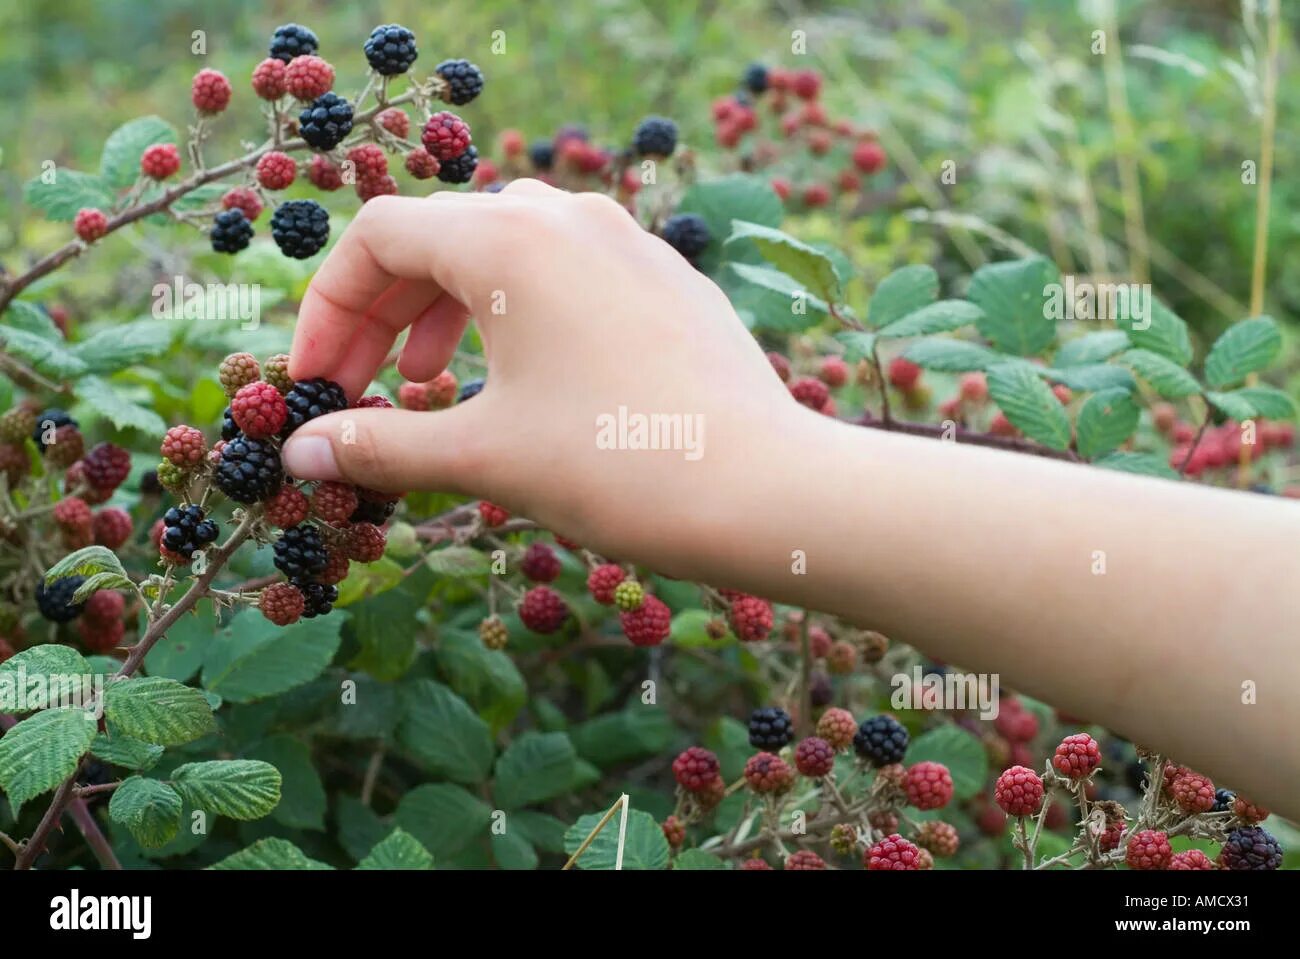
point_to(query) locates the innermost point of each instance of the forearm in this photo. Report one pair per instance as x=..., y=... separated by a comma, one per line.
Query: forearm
x=1137, y=603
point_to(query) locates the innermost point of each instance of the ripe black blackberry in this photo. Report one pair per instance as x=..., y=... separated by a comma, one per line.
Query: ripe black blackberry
x=688, y=234
x=300, y=228
x=1250, y=848
x=655, y=136
x=460, y=169
x=249, y=471
x=755, y=79
x=373, y=511
x=308, y=399
x=47, y=423
x=231, y=231
x=391, y=49
x=229, y=430
x=186, y=530
x=149, y=485
x=300, y=553
x=471, y=389
x=464, y=80
x=326, y=122
x=292, y=40
x=542, y=155
x=55, y=600
x=318, y=599
x=1223, y=800
x=770, y=728
x=881, y=739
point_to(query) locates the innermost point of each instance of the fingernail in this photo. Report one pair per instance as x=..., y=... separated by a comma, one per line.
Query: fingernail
x=310, y=457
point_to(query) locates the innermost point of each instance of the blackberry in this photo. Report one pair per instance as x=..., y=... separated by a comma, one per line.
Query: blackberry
x=820, y=690
x=50, y=420
x=318, y=599
x=391, y=49
x=460, y=169
x=688, y=234
x=881, y=739
x=300, y=553
x=755, y=79
x=186, y=530
x=228, y=428
x=149, y=485
x=1223, y=799
x=55, y=600
x=464, y=80
x=231, y=231
x=300, y=228
x=373, y=511
x=326, y=122
x=292, y=40
x=542, y=155
x=1250, y=848
x=471, y=389
x=770, y=728
x=655, y=136
x=249, y=471
x=308, y=399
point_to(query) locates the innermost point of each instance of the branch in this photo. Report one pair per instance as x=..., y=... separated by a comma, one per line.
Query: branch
x=960, y=434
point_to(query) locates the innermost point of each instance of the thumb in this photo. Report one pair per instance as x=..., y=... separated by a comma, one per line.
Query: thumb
x=390, y=450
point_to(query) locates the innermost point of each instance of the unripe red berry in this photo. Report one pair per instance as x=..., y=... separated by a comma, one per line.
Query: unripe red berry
x=893, y=853
x=1148, y=849
x=903, y=374
x=869, y=157
x=243, y=199
x=928, y=785
x=695, y=768
x=422, y=164
x=768, y=773
x=395, y=121
x=276, y=170
x=1077, y=756
x=210, y=91
x=160, y=161
x=308, y=77
x=90, y=224
x=322, y=172
x=1019, y=791
x=816, y=194
x=269, y=79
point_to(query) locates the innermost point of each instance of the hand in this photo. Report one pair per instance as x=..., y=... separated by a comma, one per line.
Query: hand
x=581, y=313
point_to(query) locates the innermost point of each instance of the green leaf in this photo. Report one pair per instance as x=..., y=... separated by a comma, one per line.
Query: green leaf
x=97, y=581
x=512, y=850
x=440, y=730
x=158, y=710
x=1163, y=333
x=272, y=853
x=69, y=191
x=47, y=356
x=359, y=827
x=1243, y=348
x=1267, y=402
x=1166, y=377
x=534, y=768
x=1106, y=420
x=942, y=317
x=32, y=318
x=857, y=344
x=1091, y=348
x=126, y=752
x=48, y=659
x=1092, y=378
x=119, y=164
x=458, y=561
x=98, y=399
x=1231, y=405
x=632, y=733
x=123, y=345
x=951, y=356
x=540, y=829
x=42, y=751
x=385, y=653
x=149, y=809
x=803, y=309
x=487, y=679
x=1012, y=295
x=85, y=562
x=400, y=850
x=902, y=292
x=179, y=654
x=644, y=845
x=1144, y=464
x=739, y=196
x=692, y=859
x=812, y=269
x=251, y=658
x=238, y=788
x=302, y=795
x=1029, y=404
x=444, y=818
x=957, y=749
x=369, y=579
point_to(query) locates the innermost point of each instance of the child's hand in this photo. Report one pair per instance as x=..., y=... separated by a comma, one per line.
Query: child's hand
x=582, y=313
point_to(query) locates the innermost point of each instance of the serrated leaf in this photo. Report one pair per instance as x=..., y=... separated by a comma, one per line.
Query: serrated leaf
x=99, y=399
x=540, y=829
x=693, y=859
x=28, y=316
x=150, y=809
x=902, y=292
x=805, y=308
x=1106, y=420
x=400, y=850
x=951, y=356
x=857, y=345
x=739, y=196
x=444, y=818
x=957, y=749
x=179, y=654
x=86, y=562
x=1144, y=464
x=42, y=751
x=47, y=356
x=942, y=317
x=124, y=345
x=97, y=581
x=1091, y=348
x=251, y=658
x=534, y=767
x=68, y=192
x=1166, y=377
x=1012, y=296
x=1092, y=377
x=302, y=795
x=1163, y=333
x=272, y=853
x=458, y=561
x=48, y=659
x=1268, y=402
x=809, y=267
x=126, y=752
x=644, y=844
x=119, y=164
x=512, y=850
x=1029, y=404
x=443, y=733
x=238, y=788
x=158, y=710
x=1231, y=405
x=1243, y=349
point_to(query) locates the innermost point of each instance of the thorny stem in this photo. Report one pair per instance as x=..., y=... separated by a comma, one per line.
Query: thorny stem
x=805, y=679
x=1023, y=842
x=1196, y=441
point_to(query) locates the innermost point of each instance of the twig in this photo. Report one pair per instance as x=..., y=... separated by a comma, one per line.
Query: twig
x=619, y=803
x=372, y=775
x=971, y=437
x=94, y=836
